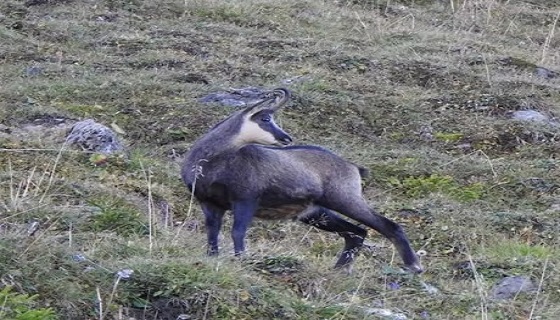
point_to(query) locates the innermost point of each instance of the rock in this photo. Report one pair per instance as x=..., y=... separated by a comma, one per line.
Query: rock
x=377, y=312
x=385, y=313
x=4, y=128
x=393, y=285
x=545, y=73
x=233, y=102
x=78, y=257
x=32, y=228
x=125, y=273
x=430, y=289
x=296, y=79
x=426, y=133
x=464, y=147
x=92, y=136
x=555, y=207
x=509, y=287
x=236, y=97
x=530, y=115
x=33, y=71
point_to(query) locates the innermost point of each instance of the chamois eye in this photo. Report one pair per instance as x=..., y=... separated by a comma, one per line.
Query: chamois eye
x=266, y=119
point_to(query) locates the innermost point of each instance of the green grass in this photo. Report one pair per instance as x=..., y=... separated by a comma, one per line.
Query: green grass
x=419, y=92
x=21, y=307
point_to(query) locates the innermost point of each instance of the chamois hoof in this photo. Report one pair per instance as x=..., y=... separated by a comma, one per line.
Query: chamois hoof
x=348, y=268
x=344, y=268
x=415, y=268
x=347, y=257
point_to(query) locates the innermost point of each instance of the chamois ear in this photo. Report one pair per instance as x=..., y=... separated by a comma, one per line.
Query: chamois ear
x=275, y=100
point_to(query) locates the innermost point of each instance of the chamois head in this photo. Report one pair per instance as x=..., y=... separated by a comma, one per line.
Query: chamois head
x=257, y=121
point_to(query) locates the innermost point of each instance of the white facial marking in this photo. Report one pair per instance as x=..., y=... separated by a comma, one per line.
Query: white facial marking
x=251, y=132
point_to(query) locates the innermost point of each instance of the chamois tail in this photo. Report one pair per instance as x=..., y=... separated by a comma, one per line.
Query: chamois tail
x=364, y=173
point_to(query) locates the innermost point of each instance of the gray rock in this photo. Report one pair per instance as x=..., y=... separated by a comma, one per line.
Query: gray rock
x=430, y=289
x=296, y=79
x=32, y=228
x=233, y=102
x=509, y=287
x=236, y=97
x=545, y=73
x=530, y=115
x=385, y=313
x=92, y=136
x=33, y=71
x=555, y=207
x=78, y=257
x=377, y=312
x=125, y=273
x=426, y=133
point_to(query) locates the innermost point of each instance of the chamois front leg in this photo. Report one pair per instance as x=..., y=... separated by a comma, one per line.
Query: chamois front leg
x=243, y=212
x=213, y=219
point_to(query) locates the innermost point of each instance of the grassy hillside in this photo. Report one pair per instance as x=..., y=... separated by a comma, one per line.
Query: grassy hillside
x=420, y=92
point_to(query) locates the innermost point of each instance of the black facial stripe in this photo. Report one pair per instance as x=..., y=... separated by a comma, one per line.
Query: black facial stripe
x=269, y=126
x=261, y=114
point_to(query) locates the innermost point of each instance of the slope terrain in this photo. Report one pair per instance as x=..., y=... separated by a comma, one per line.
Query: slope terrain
x=452, y=105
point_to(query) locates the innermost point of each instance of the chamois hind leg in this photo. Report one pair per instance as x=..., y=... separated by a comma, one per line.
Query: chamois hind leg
x=324, y=219
x=357, y=209
x=213, y=219
x=243, y=212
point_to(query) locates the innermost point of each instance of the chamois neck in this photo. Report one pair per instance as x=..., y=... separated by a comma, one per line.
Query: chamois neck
x=213, y=145
x=222, y=138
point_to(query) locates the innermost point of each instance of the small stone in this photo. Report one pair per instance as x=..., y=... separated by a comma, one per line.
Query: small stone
x=385, y=313
x=125, y=273
x=545, y=73
x=393, y=286
x=426, y=133
x=529, y=115
x=33, y=71
x=296, y=79
x=233, y=103
x=78, y=257
x=93, y=136
x=509, y=287
x=555, y=207
x=430, y=289
x=32, y=228
x=465, y=147
x=89, y=269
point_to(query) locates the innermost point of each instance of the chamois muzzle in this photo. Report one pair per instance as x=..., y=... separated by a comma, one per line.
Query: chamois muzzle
x=281, y=137
x=286, y=140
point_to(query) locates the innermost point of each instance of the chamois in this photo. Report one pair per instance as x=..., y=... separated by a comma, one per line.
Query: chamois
x=244, y=164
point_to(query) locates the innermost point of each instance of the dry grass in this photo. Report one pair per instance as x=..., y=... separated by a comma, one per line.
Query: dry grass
x=420, y=92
